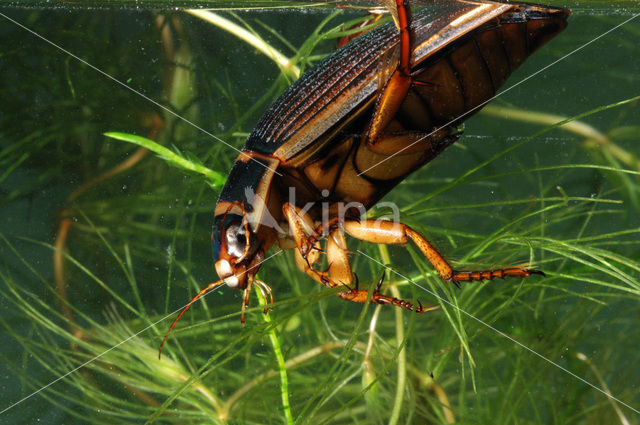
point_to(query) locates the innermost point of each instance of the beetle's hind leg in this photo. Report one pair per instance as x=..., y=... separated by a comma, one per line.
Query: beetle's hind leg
x=387, y=232
x=393, y=90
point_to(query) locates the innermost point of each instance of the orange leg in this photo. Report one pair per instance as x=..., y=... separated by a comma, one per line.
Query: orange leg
x=339, y=271
x=395, y=82
x=338, y=259
x=396, y=87
x=387, y=232
x=303, y=231
x=246, y=293
x=360, y=296
x=308, y=250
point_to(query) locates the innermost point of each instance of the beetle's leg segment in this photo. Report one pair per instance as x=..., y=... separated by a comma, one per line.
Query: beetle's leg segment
x=395, y=89
x=339, y=270
x=308, y=249
x=360, y=296
x=387, y=232
x=338, y=259
x=307, y=267
x=267, y=294
x=493, y=274
x=406, y=43
x=246, y=293
x=302, y=229
x=397, y=94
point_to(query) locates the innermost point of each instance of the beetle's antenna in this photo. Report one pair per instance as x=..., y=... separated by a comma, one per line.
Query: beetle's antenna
x=208, y=288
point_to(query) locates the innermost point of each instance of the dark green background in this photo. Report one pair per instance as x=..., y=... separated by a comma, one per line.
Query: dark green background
x=53, y=113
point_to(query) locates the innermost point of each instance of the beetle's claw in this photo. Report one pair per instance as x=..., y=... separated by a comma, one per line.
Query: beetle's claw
x=424, y=83
x=455, y=282
x=379, y=283
x=320, y=250
x=328, y=267
x=346, y=285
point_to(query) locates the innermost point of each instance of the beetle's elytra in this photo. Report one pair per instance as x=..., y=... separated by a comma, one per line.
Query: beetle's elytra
x=357, y=124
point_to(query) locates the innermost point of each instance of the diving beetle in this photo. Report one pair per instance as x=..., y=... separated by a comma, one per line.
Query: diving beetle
x=353, y=127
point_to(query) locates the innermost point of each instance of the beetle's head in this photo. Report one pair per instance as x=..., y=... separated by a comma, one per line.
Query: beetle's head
x=234, y=249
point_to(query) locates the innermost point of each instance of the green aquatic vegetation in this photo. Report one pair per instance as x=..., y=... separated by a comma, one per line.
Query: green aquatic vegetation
x=102, y=243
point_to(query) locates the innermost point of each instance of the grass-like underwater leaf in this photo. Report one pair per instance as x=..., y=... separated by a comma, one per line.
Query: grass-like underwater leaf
x=97, y=250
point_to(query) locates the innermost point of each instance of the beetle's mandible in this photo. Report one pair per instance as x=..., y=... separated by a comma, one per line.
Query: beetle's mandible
x=353, y=127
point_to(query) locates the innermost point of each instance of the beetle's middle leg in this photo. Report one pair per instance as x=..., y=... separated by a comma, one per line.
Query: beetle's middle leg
x=387, y=232
x=308, y=250
x=339, y=274
x=339, y=271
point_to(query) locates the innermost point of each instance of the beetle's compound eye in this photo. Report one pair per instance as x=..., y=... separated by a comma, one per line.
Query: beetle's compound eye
x=219, y=238
x=236, y=240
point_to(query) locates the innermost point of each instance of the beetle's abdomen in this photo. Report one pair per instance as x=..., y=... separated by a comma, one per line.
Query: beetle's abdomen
x=450, y=85
x=468, y=71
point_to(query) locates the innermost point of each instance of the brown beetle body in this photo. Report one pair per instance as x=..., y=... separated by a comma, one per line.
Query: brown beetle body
x=357, y=124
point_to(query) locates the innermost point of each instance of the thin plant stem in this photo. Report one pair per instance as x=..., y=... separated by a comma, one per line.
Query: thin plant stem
x=281, y=60
x=590, y=133
x=277, y=350
x=402, y=355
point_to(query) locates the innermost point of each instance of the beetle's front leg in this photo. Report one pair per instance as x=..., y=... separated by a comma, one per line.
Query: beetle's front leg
x=387, y=232
x=308, y=250
x=246, y=294
x=339, y=269
x=303, y=232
